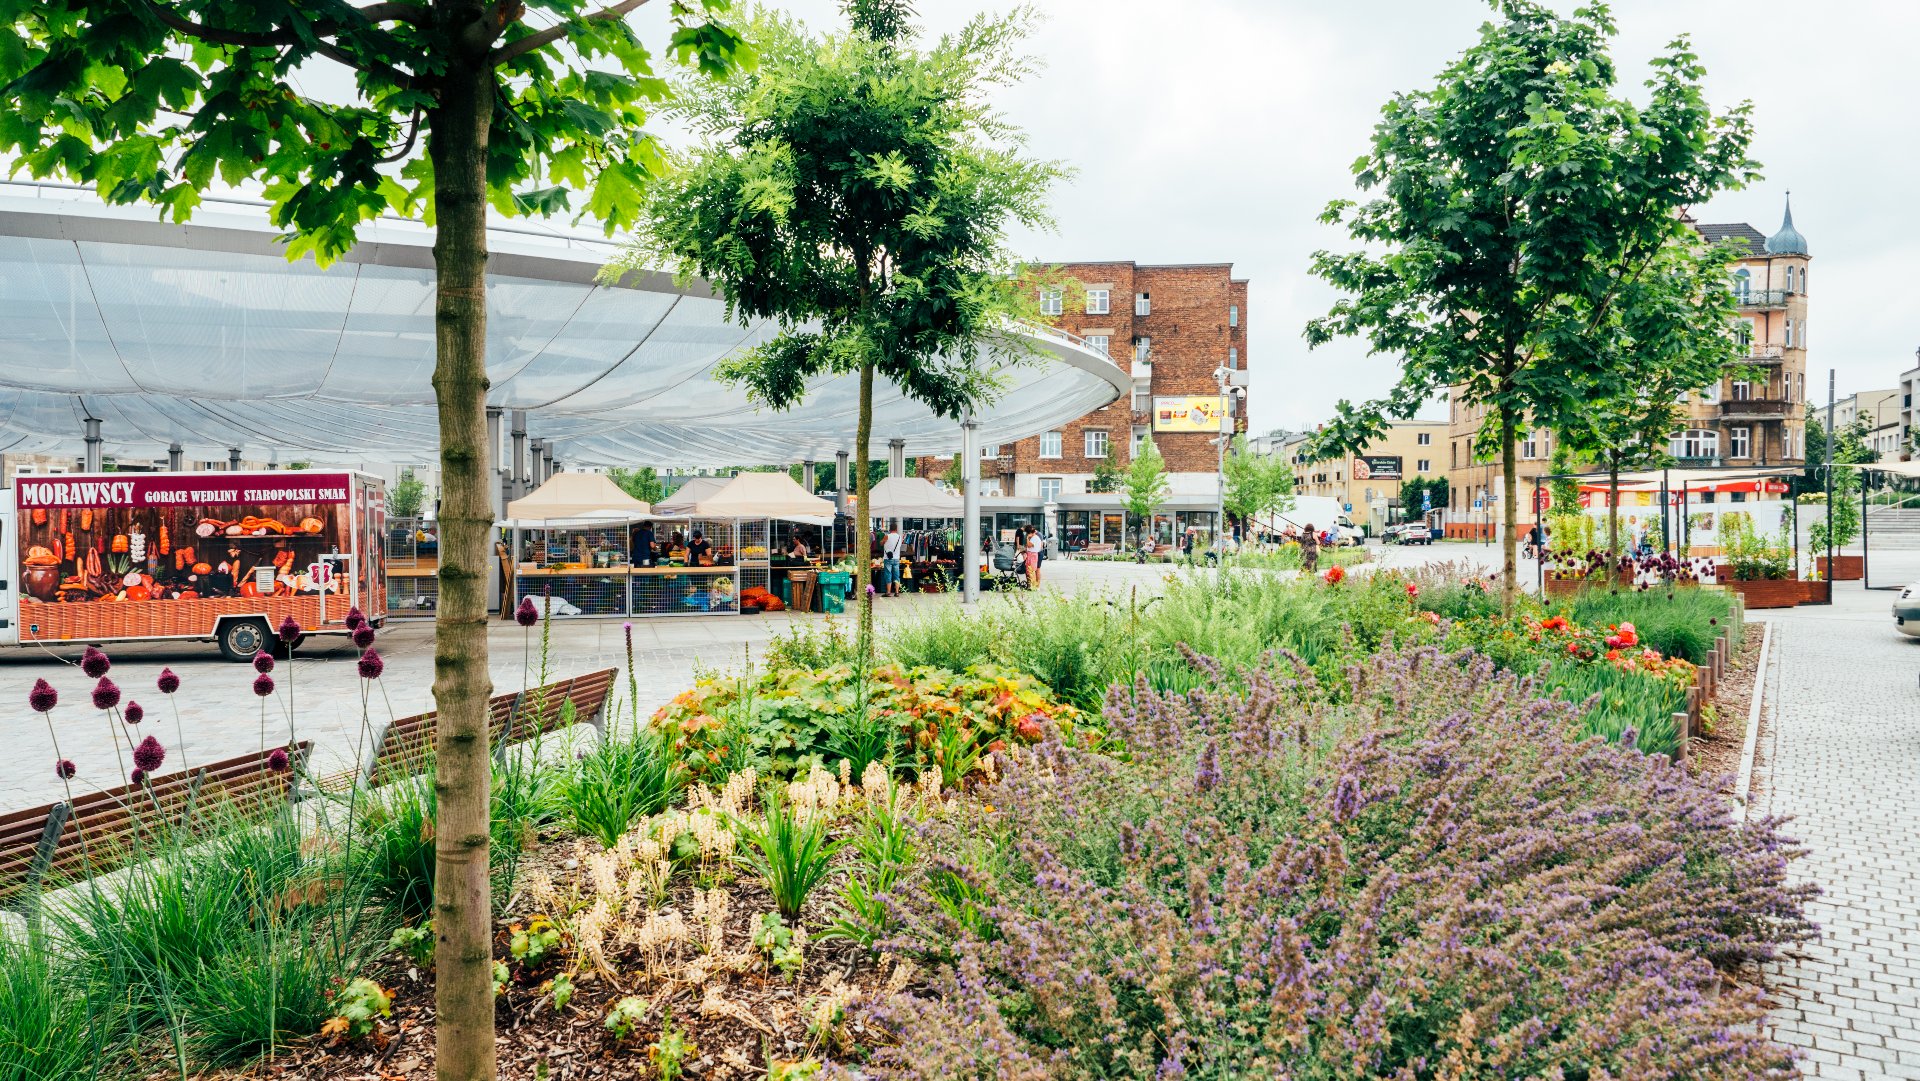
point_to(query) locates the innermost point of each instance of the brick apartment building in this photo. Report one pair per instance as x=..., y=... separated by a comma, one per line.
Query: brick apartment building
x=1170, y=327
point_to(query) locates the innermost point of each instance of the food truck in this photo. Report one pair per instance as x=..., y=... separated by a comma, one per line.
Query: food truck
x=218, y=556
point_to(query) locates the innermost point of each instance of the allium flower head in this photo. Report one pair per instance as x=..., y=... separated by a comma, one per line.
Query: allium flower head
x=149, y=754
x=289, y=630
x=134, y=713
x=65, y=769
x=43, y=697
x=94, y=663
x=105, y=694
x=363, y=635
x=263, y=684
x=277, y=760
x=371, y=665
x=526, y=615
x=138, y=776
x=354, y=618
x=168, y=682
x=263, y=662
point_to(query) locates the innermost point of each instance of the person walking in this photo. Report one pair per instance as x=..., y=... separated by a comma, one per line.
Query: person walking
x=1310, y=550
x=1034, y=547
x=890, y=560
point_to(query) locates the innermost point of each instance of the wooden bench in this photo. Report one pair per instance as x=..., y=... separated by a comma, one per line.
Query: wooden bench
x=103, y=831
x=404, y=747
x=1099, y=549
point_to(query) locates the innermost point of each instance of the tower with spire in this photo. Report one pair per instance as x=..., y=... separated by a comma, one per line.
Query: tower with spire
x=1759, y=421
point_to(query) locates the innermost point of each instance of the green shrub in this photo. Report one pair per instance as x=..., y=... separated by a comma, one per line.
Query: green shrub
x=1679, y=622
x=620, y=781
x=1612, y=702
x=392, y=847
x=789, y=851
x=47, y=1030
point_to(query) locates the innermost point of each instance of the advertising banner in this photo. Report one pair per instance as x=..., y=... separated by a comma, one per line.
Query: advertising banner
x=1377, y=467
x=1190, y=413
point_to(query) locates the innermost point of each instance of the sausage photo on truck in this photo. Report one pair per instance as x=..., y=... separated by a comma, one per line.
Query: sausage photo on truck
x=207, y=555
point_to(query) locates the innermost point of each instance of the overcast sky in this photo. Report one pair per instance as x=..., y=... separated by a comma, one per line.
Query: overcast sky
x=1215, y=130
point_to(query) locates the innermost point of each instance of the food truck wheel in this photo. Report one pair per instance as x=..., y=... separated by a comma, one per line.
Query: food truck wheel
x=240, y=639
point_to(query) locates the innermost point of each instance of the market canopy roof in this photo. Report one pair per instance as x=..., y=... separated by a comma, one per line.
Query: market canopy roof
x=683, y=499
x=205, y=335
x=764, y=495
x=588, y=496
x=1651, y=479
x=912, y=497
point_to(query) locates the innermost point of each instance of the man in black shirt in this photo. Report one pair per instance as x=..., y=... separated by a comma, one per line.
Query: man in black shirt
x=699, y=552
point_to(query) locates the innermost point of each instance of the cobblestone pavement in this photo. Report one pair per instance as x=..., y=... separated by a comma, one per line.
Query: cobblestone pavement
x=1844, y=760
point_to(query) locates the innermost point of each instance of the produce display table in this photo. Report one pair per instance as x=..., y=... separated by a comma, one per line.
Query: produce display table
x=636, y=591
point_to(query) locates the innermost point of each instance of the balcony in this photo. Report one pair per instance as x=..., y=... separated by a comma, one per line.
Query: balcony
x=1760, y=299
x=1764, y=353
x=1682, y=461
x=1757, y=409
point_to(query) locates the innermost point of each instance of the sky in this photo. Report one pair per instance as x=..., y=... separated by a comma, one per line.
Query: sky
x=1215, y=131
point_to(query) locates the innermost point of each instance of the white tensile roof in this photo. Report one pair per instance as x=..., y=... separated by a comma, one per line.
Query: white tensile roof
x=205, y=335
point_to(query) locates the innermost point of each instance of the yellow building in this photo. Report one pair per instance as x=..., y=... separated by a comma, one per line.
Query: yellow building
x=1368, y=483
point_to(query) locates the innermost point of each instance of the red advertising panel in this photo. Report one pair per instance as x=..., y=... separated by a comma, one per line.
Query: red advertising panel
x=141, y=555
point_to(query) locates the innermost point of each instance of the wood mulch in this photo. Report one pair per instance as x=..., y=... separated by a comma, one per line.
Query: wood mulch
x=1716, y=753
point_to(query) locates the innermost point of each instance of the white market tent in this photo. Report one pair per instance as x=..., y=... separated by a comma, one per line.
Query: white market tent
x=204, y=335
x=912, y=497
x=574, y=499
x=765, y=495
x=683, y=499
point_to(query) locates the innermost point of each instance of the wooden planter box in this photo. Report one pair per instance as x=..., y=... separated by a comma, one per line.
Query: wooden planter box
x=1565, y=587
x=1845, y=568
x=1783, y=593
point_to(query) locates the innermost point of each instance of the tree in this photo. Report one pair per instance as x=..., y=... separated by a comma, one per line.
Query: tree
x=1851, y=446
x=642, y=483
x=1518, y=195
x=158, y=100
x=858, y=190
x=1145, y=483
x=1256, y=484
x=408, y=496
x=1669, y=336
x=1413, y=488
x=1106, y=477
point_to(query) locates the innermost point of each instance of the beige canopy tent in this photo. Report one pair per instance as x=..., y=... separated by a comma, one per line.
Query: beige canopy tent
x=912, y=497
x=763, y=495
x=575, y=497
x=683, y=499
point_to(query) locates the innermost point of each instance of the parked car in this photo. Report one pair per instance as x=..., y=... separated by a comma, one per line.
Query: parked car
x=1906, y=611
x=1415, y=533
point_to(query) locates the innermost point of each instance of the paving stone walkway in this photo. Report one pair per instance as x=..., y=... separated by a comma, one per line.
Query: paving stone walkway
x=1844, y=760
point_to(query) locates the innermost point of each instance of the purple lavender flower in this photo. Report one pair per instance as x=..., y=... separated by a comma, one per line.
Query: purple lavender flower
x=263, y=662
x=105, y=694
x=277, y=760
x=134, y=713
x=94, y=663
x=65, y=769
x=354, y=618
x=149, y=754
x=1208, y=775
x=168, y=682
x=43, y=697
x=263, y=684
x=371, y=665
x=363, y=635
x=526, y=615
x=289, y=630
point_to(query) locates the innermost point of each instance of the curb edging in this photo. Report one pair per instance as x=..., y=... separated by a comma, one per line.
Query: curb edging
x=1743, y=786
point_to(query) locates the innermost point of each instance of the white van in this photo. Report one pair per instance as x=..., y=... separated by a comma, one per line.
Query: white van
x=1323, y=513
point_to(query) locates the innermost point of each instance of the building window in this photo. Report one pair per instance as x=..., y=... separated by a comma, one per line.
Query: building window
x=990, y=486
x=1739, y=443
x=1742, y=390
x=1529, y=446
x=989, y=450
x=1049, y=444
x=1051, y=301
x=1710, y=394
x=1695, y=443
x=1098, y=343
x=1789, y=384
x=1097, y=301
x=1050, y=489
x=1233, y=357
x=1739, y=497
x=1706, y=496
x=1142, y=399
x=1142, y=304
x=1804, y=271
x=1789, y=342
x=1096, y=443
x=1425, y=439
x=1233, y=315
x=1789, y=279
x=1803, y=333
x=1423, y=465
x=1745, y=333
x=1143, y=350
x=1139, y=436
x=1742, y=284
x=1454, y=454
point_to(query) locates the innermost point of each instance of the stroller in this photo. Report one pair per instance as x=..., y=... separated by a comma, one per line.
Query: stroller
x=1009, y=567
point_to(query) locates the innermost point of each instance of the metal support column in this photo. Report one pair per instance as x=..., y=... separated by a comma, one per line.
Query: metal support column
x=95, y=459
x=1829, y=506
x=840, y=472
x=496, y=458
x=970, y=511
x=808, y=478
x=176, y=457
x=233, y=459
x=518, y=468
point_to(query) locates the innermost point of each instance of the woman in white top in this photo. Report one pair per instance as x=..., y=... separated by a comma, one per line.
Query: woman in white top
x=1034, y=544
x=890, y=560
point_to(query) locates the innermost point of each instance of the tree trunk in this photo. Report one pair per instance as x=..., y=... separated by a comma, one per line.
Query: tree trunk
x=1613, y=511
x=1510, y=506
x=862, y=524
x=463, y=913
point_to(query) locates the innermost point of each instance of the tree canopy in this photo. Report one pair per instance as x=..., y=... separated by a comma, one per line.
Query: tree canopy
x=1256, y=484
x=1144, y=484
x=1518, y=196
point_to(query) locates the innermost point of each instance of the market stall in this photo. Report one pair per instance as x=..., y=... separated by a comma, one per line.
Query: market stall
x=929, y=517
x=569, y=545
x=758, y=512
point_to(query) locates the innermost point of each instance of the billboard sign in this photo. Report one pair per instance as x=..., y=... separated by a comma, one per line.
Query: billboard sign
x=1377, y=467
x=1190, y=413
